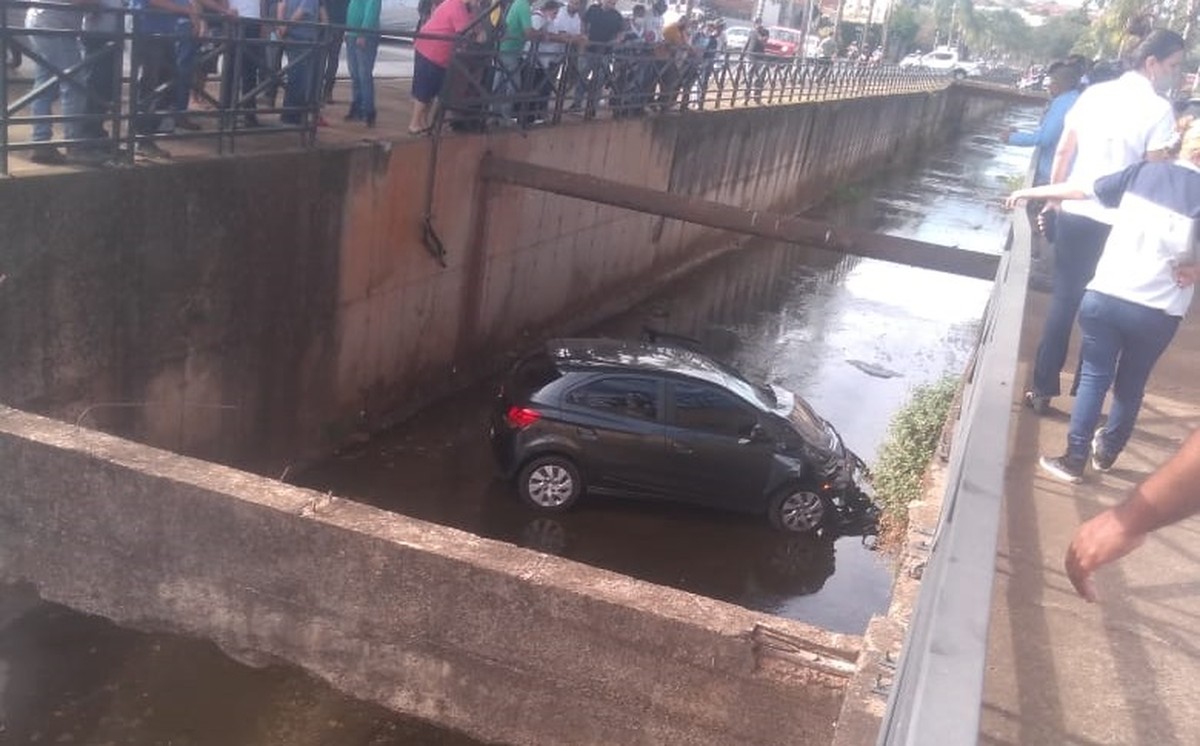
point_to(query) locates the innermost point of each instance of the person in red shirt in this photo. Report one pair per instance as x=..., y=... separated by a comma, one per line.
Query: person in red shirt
x=432, y=58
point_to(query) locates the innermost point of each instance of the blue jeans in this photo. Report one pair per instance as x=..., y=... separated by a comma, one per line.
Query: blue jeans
x=1077, y=248
x=593, y=75
x=1121, y=343
x=185, y=65
x=298, y=91
x=362, y=74
x=62, y=52
x=507, y=82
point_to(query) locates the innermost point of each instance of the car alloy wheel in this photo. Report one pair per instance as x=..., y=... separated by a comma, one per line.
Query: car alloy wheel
x=550, y=483
x=798, y=511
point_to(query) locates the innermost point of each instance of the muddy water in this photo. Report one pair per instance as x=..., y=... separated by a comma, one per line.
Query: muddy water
x=852, y=336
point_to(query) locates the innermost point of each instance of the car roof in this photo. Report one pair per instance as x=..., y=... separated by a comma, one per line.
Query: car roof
x=657, y=357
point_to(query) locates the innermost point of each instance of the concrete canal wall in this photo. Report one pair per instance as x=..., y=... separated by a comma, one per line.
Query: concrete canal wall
x=505, y=644
x=258, y=310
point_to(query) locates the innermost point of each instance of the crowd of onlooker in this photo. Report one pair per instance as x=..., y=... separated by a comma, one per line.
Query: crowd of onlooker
x=520, y=53
x=558, y=50
x=179, y=44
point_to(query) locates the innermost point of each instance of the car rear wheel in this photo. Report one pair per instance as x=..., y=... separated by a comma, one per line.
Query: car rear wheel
x=797, y=510
x=550, y=483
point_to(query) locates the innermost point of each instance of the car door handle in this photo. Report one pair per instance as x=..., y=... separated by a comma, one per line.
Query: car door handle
x=587, y=433
x=681, y=447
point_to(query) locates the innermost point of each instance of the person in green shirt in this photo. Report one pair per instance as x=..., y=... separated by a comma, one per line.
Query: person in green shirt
x=518, y=28
x=362, y=44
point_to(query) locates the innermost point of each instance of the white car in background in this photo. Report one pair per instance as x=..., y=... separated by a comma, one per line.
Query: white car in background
x=736, y=37
x=398, y=15
x=947, y=59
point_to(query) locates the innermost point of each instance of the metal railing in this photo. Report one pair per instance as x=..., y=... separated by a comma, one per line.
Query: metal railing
x=936, y=694
x=124, y=77
x=489, y=88
x=131, y=96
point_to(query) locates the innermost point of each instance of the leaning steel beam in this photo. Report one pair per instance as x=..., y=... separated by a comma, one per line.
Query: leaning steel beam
x=740, y=220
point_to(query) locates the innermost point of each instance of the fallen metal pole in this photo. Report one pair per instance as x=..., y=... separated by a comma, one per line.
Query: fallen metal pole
x=739, y=220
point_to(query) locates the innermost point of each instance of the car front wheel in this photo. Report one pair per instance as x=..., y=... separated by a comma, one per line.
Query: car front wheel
x=797, y=510
x=550, y=483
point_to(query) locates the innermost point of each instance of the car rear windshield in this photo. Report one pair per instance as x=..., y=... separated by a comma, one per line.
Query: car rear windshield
x=532, y=374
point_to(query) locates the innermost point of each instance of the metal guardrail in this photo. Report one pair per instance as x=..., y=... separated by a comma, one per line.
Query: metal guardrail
x=484, y=89
x=937, y=689
x=130, y=105
x=487, y=88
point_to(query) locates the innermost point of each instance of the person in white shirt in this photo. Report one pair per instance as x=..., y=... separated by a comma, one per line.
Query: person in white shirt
x=539, y=59
x=1113, y=125
x=1142, y=287
x=566, y=34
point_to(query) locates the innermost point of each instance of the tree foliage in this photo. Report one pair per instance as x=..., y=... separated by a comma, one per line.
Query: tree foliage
x=1001, y=34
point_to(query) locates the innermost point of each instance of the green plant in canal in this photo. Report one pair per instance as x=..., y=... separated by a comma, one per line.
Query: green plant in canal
x=899, y=472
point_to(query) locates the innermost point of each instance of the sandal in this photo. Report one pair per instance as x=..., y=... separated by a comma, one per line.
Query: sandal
x=420, y=132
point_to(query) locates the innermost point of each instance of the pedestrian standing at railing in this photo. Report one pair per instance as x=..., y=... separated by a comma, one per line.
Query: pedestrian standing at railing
x=250, y=53
x=677, y=44
x=337, y=10
x=518, y=29
x=61, y=52
x=566, y=33
x=300, y=38
x=361, y=46
x=154, y=25
x=540, y=54
x=754, y=65
x=431, y=58
x=188, y=27
x=104, y=73
x=602, y=24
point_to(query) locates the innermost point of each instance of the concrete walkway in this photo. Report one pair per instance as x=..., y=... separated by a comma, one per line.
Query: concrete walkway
x=1061, y=671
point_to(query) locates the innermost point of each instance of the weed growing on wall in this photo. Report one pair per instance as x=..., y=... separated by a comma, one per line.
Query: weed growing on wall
x=899, y=473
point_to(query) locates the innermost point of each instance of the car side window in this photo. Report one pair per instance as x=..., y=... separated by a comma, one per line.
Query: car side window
x=628, y=396
x=708, y=409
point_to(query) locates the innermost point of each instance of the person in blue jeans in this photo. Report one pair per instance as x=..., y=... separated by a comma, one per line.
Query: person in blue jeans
x=299, y=44
x=1132, y=306
x=62, y=52
x=362, y=16
x=1111, y=126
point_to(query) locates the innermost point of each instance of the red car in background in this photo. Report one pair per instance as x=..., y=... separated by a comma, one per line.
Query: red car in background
x=788, y=42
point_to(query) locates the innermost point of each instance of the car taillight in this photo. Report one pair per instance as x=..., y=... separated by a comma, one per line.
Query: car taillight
x=519, y=418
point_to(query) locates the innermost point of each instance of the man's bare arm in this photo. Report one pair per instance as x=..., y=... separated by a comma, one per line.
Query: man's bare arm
x=1170, y=494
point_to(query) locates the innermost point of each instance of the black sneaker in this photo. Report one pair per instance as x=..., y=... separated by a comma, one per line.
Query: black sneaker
x=1038, y=403
x=48, y=156
x=148, y=149
x=1063, y=468
x=1101, y=461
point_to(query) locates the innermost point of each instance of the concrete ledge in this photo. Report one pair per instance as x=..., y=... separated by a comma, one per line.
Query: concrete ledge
x=505, y=644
